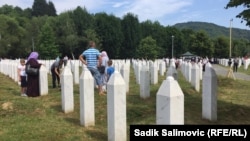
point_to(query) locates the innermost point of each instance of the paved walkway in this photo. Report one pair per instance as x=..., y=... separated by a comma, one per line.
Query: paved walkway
x=224, y=71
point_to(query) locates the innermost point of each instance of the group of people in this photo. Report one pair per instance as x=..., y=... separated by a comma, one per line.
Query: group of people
x=91, y=57
x=29, y=83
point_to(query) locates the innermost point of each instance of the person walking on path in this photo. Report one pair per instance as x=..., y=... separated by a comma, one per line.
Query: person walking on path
x=22, y=77
x=33, y=80
x=93, y=60
x=222, y=71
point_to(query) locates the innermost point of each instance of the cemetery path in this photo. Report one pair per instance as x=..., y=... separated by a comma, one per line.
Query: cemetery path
x=224, y=72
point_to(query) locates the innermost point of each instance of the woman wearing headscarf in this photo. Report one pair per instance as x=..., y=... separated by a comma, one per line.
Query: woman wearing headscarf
x=33, y=80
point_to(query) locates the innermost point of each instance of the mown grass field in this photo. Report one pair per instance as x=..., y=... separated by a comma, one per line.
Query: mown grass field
x=42, y=119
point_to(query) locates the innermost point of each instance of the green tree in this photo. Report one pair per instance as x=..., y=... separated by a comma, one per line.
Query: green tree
x=11, y=36
x=93, y=36
x=239, y=47
x=47, y=44
x=66, y=34
x=131, y=32
x=157, y=32
x=202, y=44
x=175, y=41
x=245, y=14
x=6, y=9
x=221, y=47
x=42, y=8
x=82, y=20
x=186, y=39
x=147, y=49
x=108, y=28
x=51, y=9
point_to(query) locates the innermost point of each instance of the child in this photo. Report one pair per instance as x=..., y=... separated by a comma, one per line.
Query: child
x=22, y=77
x=110, y=69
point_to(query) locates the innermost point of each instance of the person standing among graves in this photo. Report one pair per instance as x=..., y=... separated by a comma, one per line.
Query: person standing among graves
x=93, y=60
x=55, y=72
x=22, y=77
x=33, y=80
x=236, y=63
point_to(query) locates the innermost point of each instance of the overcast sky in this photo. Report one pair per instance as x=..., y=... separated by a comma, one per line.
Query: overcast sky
x=167, y=12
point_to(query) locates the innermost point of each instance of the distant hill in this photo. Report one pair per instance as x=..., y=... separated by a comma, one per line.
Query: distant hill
x=214, y=30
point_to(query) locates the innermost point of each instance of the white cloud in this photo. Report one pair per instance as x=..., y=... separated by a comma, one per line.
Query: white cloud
x=148, y=9
x=120, y=4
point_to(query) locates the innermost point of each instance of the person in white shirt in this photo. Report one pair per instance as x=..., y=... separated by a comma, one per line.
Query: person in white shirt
x=22, y=77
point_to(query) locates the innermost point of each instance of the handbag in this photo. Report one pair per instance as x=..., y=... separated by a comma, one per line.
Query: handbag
x=101, y=69
x=31, y=71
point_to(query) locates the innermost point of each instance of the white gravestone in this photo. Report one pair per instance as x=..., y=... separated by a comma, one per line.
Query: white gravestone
x=76, y=72
x=153, y=73
x=116, y=108
x=145, y=82
x=87, y=106
x=195, y=77
x=43, y=81
x=125, y=70
x=209, y=94
x=67, y=90
x=170, y=103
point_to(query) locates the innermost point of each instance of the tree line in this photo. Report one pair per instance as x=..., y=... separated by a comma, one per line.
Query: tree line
x=52, y=35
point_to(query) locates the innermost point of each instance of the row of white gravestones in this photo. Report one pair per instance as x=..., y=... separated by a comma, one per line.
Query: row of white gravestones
x=169, y=93
x=170, y=99
x=193, y=73
x=246, y=62
x=172, y=70
x=153, y=66
x=144, y=92
x=116, y=104
x=123, y=66
x=209, y=89
x=9, y=68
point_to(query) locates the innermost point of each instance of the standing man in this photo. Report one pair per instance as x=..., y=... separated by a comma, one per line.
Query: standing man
x=92, y=60
x=236, y=63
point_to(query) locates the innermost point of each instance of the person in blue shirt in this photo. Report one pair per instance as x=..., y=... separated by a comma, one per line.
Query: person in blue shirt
x=92, y=59
x=110, y=69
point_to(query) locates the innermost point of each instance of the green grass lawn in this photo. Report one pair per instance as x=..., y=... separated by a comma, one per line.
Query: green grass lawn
x=42, y=119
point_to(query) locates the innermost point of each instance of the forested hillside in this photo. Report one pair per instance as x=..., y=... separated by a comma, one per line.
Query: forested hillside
x=52, y=35
x=214, y=30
